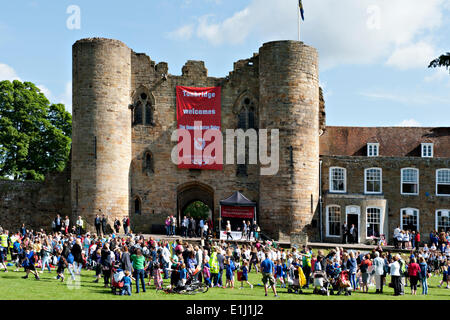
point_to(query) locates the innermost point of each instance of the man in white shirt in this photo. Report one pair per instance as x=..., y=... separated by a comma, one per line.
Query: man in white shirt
x=378, y=264
x=396, y=234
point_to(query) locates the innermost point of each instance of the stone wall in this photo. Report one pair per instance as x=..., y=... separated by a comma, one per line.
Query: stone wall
x=158, y=190
x=34, y=203
x=426, y=201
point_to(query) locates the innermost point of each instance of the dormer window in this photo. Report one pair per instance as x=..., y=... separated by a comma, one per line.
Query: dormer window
x=373, y=149
x=427, y=150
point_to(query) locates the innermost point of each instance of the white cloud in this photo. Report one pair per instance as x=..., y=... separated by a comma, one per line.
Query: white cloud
x=343, y=31
x=183, y=33
x=409, y=123
x=406, y=98
x=439, y=75
x=45, y=91
x=8, y=73
x=66, y=97
x=417, y=55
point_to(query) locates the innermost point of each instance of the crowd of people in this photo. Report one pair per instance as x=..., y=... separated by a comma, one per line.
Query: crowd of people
x=213, y=263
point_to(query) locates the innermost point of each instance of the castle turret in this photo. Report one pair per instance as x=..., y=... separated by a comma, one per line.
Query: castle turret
x=289, y=101
x=101, y=134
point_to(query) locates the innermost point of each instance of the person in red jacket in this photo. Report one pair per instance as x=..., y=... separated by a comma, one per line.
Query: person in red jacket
x=413, y=274
x=417, y=240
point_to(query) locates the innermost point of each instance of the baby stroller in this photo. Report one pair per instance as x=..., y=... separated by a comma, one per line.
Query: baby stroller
x=340, y=283
x=321, y=283
x=192, y=285
x=295, y=280
x=117, y=281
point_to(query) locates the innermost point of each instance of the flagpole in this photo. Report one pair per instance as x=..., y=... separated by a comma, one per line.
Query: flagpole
x=298, y=20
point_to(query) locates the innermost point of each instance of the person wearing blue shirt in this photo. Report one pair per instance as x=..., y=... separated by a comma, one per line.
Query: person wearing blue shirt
x=351, y=264
x=267, y=268
x=229, y=272
x=423, y=275
x=126, y=284
x=183, y=276
x=28, y=264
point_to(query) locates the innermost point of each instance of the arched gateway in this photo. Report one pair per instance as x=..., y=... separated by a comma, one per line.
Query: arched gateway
x=190, y=192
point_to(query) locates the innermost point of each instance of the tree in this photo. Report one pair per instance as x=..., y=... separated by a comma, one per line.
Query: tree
x=442, y=61
x=197, y=210
x=35, y=136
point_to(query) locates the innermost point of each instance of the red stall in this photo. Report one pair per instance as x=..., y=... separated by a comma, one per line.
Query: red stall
x=236, y=209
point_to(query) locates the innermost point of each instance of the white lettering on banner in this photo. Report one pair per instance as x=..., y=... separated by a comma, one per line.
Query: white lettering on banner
x=204, y=94
x=195, y=111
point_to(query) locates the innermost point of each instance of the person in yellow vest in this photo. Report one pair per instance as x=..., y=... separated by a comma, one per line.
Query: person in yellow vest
x=4, y=241
x=80, y=226
x=214, y=267
x=4, y=250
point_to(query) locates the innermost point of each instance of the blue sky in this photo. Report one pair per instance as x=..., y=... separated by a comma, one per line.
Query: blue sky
x=373, y=53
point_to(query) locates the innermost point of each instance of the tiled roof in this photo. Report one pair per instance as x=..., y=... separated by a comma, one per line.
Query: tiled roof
x=394, y=141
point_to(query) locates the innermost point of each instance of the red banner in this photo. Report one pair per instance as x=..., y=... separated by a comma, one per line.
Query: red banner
x=198, y=111
x=237, y=212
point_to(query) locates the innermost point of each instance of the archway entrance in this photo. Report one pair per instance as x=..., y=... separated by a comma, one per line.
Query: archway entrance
x=191, y=192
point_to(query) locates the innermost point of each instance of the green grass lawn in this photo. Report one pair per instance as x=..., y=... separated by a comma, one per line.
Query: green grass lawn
x=13, y=287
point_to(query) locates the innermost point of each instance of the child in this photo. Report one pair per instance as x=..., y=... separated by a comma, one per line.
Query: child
x=230, y=272
x=445, y=275
x=183, y=275
x=126, y=284
x=62, y=264
x=279, y=273
x=157, y=280
x=245, y=275
x=207, y=272
x=28, y=264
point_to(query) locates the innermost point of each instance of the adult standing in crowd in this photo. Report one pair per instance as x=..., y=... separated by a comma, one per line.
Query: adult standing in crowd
x=267, y=269
x=98, y=224
x=58, y=223
x=395, y=275
x=126, y=224
x=104, y=224
x=80, y=225
x=413, y=274
x=138, y=266
x=106, y=264
x=117, y=225
x=345, y=233
x=168, y=224
x=378, y=264
x=66, y=225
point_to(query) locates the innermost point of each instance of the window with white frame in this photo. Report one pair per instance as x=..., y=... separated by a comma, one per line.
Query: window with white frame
x=409, y=219
x=338, y=179
x=410, y=181
x=373, y=222
x=372, y=149
x=333, y=221
x=443, y=182
x=373, y=180
x=427, y=150
x=443, y=220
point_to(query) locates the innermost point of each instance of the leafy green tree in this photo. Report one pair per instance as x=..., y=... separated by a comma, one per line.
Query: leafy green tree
x=442, y=61
x=197, y=210
x=35, y=136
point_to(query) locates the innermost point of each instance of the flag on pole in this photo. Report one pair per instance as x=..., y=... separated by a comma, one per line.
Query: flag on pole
x=302, y=12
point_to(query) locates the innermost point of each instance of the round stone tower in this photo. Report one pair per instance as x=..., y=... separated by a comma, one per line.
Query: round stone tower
x=289, y=101
x=101, y=130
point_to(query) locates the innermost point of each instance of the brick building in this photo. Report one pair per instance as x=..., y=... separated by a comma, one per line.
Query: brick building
x=124, y=113
x=381, y=178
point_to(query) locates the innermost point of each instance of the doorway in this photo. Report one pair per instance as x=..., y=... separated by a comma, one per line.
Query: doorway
x=193, y=192
x=353, y=214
